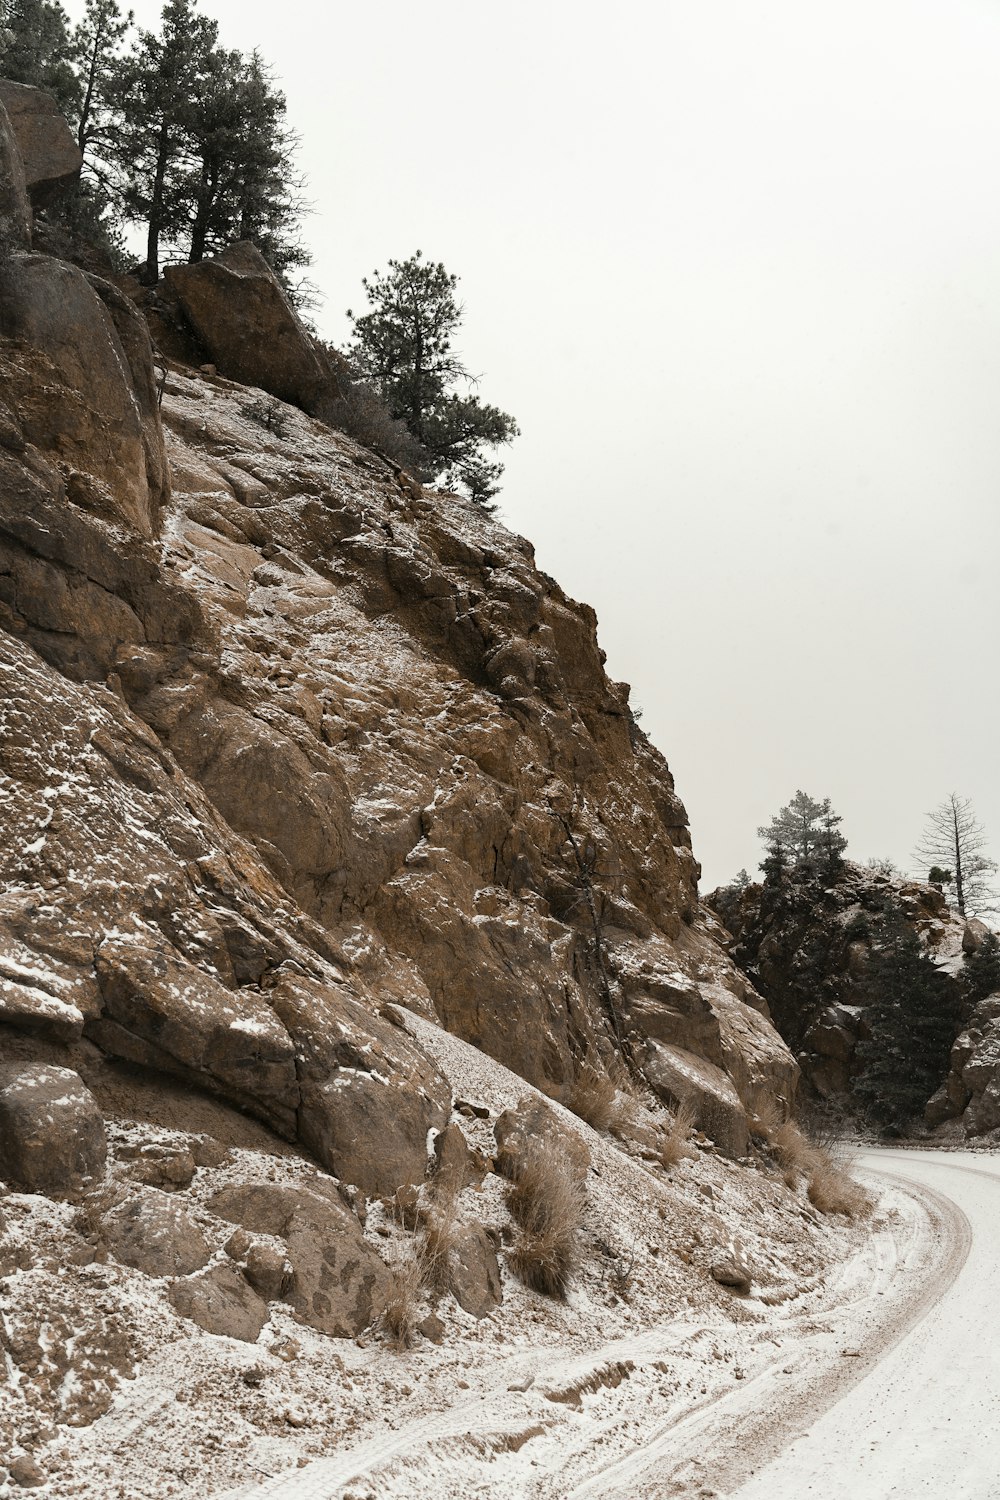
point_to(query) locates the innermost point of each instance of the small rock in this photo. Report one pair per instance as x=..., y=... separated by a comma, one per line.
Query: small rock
x=732, y=1268
x=454, y=1164
x=267, y=1271
x=238, y=1244
x=432, y=1328
x=471, y=1111
x=208, y=1152
x=26, y=1472
x=221, y=1302
x=51, y=1131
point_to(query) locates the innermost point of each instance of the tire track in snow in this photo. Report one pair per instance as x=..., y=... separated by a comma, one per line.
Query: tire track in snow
x=713, y=1448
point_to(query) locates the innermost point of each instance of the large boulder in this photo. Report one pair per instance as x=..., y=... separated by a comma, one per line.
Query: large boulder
x=15, y=210
x=531, y=1124
x=474, y=1272
x=52, y=1136
x=679, y=1077
x=337, y=1282
x=51, y=156
x=67, y=376
x=220, y=1301
x=370, y=1095
x=246, y=323
x=155, y=1235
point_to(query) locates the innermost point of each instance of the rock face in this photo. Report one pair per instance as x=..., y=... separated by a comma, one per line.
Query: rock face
x=286, y=741
x=51, y=156
x=337, y=1282
x=15, y=210
x=252, y=333
x=51, y=1131
x=805, y=948
x=972, y=1089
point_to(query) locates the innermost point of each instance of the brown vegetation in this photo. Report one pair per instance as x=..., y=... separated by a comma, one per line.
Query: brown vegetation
x=674, y=1143
x=545, y=1200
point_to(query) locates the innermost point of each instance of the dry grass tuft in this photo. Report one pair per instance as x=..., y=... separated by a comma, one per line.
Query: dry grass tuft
x=545, y=1200
x=437, y=1240
x=833, y=1190
x=674, y=1143
x=765, y=1115
x=794, y=1152
x=398, y=1318
x=607, y=1101
x=593, y=1098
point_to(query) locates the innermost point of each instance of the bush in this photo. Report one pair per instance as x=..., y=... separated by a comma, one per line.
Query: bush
x=833, y=1190
x=437, y=1240
x=398, y=1318
x=545, y=1201
x=674, y=1143
x=605, y=1102
x=353, y=405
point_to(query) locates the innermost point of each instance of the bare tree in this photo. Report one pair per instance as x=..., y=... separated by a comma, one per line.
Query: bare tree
x=952, y=851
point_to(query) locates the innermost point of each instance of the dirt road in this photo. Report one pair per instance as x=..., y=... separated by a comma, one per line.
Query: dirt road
x=923, y=1420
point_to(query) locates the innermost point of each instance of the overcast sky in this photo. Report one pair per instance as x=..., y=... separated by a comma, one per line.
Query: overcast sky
x=735, y=269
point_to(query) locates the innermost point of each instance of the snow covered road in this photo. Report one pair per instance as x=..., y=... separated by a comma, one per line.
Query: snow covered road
x=924, y=1419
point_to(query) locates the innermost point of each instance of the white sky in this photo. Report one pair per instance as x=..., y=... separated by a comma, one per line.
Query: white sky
x=735, y=269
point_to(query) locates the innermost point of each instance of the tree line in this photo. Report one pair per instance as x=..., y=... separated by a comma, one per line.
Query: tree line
x=189, y=141
x=181, y=136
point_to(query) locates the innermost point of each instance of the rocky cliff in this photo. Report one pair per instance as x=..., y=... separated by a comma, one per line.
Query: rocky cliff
x=286, y=739
x=304, y=770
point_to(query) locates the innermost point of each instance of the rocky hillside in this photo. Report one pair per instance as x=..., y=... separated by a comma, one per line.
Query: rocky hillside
x=806, y=946
x=301, y=767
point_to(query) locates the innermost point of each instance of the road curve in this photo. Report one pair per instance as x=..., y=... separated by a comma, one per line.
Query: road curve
x=923, y=1419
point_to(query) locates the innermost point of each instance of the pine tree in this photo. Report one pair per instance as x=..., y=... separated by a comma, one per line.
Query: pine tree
x=405, y=346
x=807, y=832
x=242, y=179
x=35, y=48
x=96, y=45
x=913, y=1016
x=980, y=974
x=155, y=87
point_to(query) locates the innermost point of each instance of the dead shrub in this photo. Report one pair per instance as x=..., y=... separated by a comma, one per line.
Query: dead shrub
x=545, y=1201
x=675, y=1145
x=437, y=1239
x=398, y=1318
x=593, y=1098
x=833, y=1190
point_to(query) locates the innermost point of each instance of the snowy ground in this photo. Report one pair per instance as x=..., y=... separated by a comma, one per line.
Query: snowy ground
x=675, y=1387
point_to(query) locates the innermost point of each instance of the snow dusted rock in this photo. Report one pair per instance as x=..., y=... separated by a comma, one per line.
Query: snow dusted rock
x=156, y=1235
x=474, y=1271
x=455, y=1167
x=337, y=1282
x=51, y=156
x=679, y=1076
x=972, y=1089
x=287, y=741
x=220, y=1301
x=15, y=210
x=26, y=1473
x=51, y=1131
x=518, y=1130
x=731, y=1266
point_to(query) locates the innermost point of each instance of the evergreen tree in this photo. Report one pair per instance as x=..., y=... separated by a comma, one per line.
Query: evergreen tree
x=808, y=833
x=242, y=182
x=405, y=346
x=35, y=48
x=913, y=1016
x=154, y=91
x=980, y=974
x=96, y=44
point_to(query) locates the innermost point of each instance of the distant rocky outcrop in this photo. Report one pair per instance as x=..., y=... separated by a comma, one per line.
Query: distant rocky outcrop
x=805, y=945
